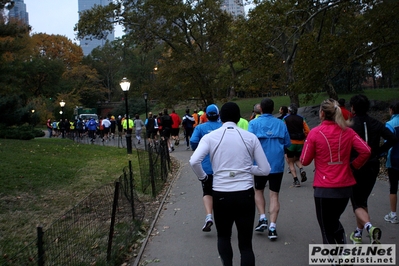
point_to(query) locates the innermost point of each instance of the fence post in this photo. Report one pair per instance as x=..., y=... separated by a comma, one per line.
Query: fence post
x=131, y=187
x=111, y=228
x=152, y=178
x=120, y=144
x=40, y=249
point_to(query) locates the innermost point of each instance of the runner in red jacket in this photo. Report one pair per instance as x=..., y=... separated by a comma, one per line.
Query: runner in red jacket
x=175, y=127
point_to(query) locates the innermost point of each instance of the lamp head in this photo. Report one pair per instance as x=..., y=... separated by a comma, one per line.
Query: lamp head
x=62, y=103
x=145, y=96
x=125, y=84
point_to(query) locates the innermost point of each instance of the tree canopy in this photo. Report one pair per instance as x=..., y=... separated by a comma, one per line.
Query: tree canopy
x=192, y=34
x=282, y=46
x=176, y=50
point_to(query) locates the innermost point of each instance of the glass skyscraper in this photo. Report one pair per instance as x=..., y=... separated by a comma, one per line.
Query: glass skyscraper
x=87, y=44
x=19, y=12
x=234, y=7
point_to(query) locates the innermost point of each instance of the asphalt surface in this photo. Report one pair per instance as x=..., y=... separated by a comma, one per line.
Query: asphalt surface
x=177, y=237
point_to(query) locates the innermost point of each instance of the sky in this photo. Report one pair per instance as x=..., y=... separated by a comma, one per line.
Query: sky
x=55, y=17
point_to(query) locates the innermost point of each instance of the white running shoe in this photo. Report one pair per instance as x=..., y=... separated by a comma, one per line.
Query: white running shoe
x=391, y=219
x=208, y=224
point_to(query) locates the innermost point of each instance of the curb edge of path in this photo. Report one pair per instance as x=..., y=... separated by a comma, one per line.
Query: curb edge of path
x=144, y=244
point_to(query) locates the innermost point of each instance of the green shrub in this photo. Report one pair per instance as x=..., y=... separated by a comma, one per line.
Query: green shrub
x=22, y=132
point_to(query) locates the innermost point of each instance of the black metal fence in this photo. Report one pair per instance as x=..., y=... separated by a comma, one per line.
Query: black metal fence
x=155, y=166
x=101, y=229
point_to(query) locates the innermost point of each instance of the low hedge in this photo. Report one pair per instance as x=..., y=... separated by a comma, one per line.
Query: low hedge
x=24, y=132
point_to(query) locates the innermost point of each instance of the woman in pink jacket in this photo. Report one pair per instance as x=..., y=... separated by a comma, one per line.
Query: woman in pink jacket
x=330, y=145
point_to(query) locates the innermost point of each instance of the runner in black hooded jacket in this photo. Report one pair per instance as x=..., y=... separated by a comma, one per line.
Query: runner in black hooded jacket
x=370, y=130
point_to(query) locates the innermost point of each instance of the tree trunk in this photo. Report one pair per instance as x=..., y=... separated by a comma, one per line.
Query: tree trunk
x=294, y=98
x=373, y=76
x=232, y=92
x=331, y=91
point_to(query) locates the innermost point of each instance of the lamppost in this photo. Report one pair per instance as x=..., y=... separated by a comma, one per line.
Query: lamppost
x=62, y=104
x=125, y=85
x=145, y=99
x=32, y=118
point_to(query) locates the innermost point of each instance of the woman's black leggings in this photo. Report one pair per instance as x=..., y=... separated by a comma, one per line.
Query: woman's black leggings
x=393, y=180
x=328, y=211
x=239, y=208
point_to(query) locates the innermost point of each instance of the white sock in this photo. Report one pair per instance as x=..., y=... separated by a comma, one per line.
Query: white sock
x=272, y=225
x=262, y=216
x=393, y=214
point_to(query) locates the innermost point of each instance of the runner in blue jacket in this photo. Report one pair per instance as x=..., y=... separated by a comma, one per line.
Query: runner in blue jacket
x=212, y=113
x=274, y=138
x=91, y=126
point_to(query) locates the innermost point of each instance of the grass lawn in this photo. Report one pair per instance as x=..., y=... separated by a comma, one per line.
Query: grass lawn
x=43, y=178
x=246, y=104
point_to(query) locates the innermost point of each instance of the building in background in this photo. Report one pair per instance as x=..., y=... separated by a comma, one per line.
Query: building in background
x=19, y=12
x=234, y=7
x=87, y=43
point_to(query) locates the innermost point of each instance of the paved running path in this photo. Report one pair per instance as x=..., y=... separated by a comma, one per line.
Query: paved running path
x=177, y=238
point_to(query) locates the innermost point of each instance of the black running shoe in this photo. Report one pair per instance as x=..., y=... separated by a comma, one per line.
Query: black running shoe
x=272, y=233
x=303, y=175
x=262, y=225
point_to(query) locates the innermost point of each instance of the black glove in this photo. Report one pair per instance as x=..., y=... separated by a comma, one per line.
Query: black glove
x=204, y=179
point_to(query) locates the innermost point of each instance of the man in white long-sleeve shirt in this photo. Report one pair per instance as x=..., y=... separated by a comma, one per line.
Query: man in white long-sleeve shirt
x=232, y=153
x=106, y=126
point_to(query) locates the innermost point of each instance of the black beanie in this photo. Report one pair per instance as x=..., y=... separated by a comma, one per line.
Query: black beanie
x=230, y=112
